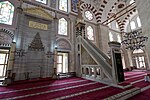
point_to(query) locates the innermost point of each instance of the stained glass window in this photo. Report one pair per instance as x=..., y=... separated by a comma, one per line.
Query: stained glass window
x=62, y=27
x=117, y=25
x=88, y=15
x=110, y=36
x=138, y=51
x=132, y=24
x=53, y=3
x=131, y=1
x=6, y=12
x=90, y=33
x=119, y=38
x=138, y=22
x=74, y=4
x=42, y=1
x=63, y=5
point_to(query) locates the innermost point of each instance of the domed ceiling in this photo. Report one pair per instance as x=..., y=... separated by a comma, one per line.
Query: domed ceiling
x=107, y=11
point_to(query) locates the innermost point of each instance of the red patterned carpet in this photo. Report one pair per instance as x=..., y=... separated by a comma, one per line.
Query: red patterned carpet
x=71, y=89
x=137, y=80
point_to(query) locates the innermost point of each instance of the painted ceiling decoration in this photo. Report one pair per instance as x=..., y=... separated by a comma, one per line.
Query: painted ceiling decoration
x=107, y=11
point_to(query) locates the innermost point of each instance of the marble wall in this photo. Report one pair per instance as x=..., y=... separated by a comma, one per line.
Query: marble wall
x=144, y=14
x=40, y=62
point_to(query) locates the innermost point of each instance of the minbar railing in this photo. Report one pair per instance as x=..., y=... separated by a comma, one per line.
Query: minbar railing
x=93, y=71
x=98, y=57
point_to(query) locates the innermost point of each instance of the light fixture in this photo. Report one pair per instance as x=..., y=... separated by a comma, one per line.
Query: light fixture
x=134, y=40
x=49, y=53
x=20, y=52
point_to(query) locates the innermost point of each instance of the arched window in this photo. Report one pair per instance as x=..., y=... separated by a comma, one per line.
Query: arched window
x=109, y=25
x=62, y=27
x=138, y=21
x=131, y=1
x=42, y=1
x=63, y=5
x=119, y=38
x=110, y=36
x=132, y=24
x=138, y=51
x=90, y=33
x=88, y=15
x=117, y=25
x=6, y=12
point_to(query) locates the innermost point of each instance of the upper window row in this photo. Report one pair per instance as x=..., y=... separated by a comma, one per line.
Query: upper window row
x=42, y=1
x=6, y=12
x=63, y=4
x=133, y=24
x=131, y=1
x=63, y=29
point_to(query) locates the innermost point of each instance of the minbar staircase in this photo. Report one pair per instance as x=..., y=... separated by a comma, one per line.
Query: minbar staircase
x=103, y=66
x=102, y=72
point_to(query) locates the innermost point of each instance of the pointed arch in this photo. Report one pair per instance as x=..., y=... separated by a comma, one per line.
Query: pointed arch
x=6, y=37
x=63, y=44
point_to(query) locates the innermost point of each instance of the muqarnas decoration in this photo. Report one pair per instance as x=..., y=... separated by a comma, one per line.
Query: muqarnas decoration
x=36, y=44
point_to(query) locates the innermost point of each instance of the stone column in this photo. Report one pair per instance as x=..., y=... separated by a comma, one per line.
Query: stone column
x=85, y=72
x=11, y=56
x=101, y=74
x=143, y=8
x=19, y=27
x=130, y=58
x=54, y=76
x=10, y=63
x=126, y=57
x=90, y=72
x=95, y=72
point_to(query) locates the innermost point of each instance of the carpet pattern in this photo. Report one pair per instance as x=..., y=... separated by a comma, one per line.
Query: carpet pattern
x=72, y=89
x=136, y=78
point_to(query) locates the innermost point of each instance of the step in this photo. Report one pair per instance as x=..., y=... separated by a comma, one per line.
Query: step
x=124, y=85
x=124, y=95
